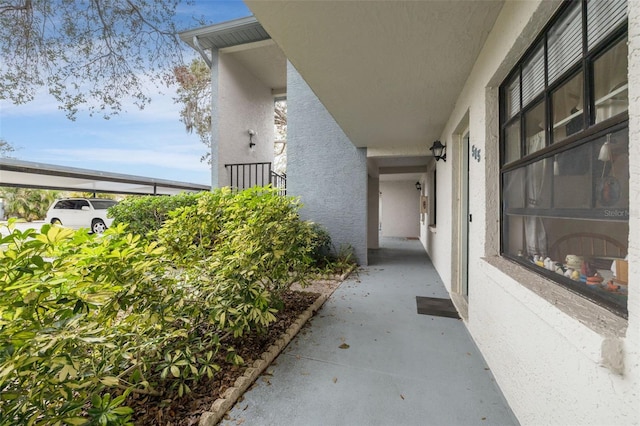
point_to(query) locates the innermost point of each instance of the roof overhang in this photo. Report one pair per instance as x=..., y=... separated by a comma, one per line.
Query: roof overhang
x=226, y=34
x=246, y=41
x=389, y=72
x=27, y=174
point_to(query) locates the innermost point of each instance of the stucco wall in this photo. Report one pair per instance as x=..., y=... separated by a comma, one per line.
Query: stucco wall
x=439, y=242
x=373, y=212
x=542, y=342
x=243, y=103
x=633, y=332
x=325, y=169
x=424, y=219
x=400, y=209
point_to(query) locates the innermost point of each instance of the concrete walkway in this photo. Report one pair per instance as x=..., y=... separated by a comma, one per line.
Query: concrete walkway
x=367, y=358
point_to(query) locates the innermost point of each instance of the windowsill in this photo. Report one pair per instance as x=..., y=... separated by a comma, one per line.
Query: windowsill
x=597, y=318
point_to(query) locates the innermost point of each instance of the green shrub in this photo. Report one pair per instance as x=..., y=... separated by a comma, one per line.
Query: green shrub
x=245, y=248
x=320, y=244
x=28, y=204
x=146, y=214
x=87, y=319
x=84, y=317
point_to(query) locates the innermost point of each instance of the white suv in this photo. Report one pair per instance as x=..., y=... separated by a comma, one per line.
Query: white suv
x=79, y=213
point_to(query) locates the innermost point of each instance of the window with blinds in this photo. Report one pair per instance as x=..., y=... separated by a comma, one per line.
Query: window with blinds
x=564, y=153
x=564, y=42
x=555, y=66
x=513, y=97
x=533, y=76
x=603, y=17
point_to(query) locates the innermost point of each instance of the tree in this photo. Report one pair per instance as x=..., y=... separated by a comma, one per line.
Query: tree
x=280, y=144
x=28, y=204
x=6, y=149
x=194, y=94
x=88, y=54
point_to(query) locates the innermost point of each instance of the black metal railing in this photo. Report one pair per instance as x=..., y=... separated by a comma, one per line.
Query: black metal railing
x=248, y=175
x=279, y=181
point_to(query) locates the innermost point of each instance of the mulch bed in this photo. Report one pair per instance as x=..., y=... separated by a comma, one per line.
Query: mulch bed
x=187, y=410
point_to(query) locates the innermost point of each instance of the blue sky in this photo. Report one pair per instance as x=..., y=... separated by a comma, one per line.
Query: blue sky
x=150, y=142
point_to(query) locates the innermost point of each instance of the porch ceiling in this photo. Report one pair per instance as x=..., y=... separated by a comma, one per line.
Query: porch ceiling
x=389, y=168
x=248, y=43
x=389, y=72
x=265, y=61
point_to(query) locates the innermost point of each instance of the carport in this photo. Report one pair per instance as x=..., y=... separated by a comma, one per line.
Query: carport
x=25, y=174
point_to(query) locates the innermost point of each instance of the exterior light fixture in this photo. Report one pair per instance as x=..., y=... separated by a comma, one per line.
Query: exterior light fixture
x=252, y=133
x=418, y=186
x=439, y=151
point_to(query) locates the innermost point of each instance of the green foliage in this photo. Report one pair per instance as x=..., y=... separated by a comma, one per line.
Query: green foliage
x=101, y=195
x=27, y=204
x=146, y=214
x=76, y=318
x=327, y=259
x=253, y=235
x=87, y=319
x=320, y=243
x=245, y=248
x=194, y=94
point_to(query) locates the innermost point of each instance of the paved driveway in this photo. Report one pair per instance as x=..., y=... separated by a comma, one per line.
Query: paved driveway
x=21, y=226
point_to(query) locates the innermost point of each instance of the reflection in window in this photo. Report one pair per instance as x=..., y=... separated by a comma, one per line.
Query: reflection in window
x=572, y=178
x=564, y=181
x=575, y=215
x=567, y=108
x=610, y=82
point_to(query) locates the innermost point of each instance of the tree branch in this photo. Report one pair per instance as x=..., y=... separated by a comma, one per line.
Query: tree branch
x=27, y=7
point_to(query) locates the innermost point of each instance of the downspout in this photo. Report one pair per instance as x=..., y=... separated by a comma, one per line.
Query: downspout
x=201, y=51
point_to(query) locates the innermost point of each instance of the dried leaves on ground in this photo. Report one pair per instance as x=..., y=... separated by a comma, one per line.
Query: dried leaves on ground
x=188, y=409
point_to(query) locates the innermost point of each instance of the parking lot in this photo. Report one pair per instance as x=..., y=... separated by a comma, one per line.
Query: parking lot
x=22, y=226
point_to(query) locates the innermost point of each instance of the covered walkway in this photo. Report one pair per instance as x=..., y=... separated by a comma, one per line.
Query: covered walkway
x=368, y=358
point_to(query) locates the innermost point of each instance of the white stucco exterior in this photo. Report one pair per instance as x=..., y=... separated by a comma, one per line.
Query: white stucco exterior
x=244, y=102
x=373, y=212
x=400, y=209
x=544, y=350
x=559, y=358
x=325, y=170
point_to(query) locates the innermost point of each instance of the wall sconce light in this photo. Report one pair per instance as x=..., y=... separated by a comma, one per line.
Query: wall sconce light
x=418, y=186
x=252, y=133
x=439, y=151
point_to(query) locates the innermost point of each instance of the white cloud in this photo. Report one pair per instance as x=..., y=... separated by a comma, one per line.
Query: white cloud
x=88, y=158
